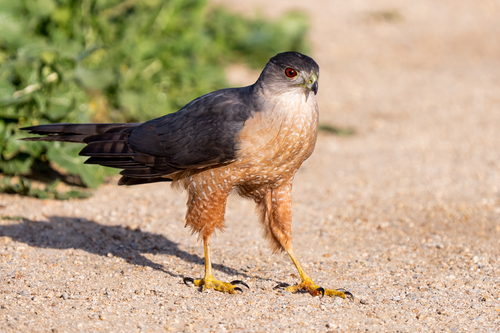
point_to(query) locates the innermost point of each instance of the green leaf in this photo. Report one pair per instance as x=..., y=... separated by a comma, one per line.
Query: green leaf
x=6, y=89
x=94, y=79
x=18, y=165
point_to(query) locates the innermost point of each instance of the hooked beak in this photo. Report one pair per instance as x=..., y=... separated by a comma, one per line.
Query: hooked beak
x=312, y=83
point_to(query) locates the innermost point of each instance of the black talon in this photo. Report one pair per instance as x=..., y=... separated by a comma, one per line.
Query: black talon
x=281, y=285
x=240, y=282
x=188, y=279
x=321, y=290
x=238, y=288
x=347, y=294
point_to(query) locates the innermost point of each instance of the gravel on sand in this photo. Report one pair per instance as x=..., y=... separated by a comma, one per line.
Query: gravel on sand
x=405, y=213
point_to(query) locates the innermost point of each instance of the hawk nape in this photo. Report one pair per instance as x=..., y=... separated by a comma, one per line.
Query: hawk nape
x=249, y=140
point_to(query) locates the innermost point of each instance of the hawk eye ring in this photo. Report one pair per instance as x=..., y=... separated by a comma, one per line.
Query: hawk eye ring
x=290, y=72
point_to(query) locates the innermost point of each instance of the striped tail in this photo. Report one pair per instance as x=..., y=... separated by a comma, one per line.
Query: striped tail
x=106, y=145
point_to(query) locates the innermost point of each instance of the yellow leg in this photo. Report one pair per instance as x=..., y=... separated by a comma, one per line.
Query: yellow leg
x=208, y=261
x=209, y=282
x=307, y=284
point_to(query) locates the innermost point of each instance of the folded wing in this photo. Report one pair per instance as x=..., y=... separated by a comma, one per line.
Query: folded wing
x=201, y=134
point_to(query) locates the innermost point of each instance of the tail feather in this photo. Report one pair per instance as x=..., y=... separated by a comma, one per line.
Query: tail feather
x=118, y=164
x=64, y=129
x=107, y=145
x=144, y=172
x=77, y=138
x=128, y=181
x=110, y=160
x=106, y=136
x=107, y=148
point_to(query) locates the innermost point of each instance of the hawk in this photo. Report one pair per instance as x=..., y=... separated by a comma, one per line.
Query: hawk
x=249, y=140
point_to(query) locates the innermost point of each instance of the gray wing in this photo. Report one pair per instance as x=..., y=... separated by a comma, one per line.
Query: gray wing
x=203, y=133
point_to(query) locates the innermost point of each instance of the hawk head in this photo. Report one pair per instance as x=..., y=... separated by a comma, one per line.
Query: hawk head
x=289, y=72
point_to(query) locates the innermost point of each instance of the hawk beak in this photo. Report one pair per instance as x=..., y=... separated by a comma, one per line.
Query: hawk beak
x=312, y=83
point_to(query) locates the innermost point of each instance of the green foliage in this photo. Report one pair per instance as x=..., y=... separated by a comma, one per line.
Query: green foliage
x=114, y=61
x=336, y=130
x=50, y=191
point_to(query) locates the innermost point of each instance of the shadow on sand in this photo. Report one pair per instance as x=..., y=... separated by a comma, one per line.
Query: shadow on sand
x=78, y=233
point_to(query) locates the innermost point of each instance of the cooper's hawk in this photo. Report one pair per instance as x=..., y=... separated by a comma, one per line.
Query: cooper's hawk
x=249, y=140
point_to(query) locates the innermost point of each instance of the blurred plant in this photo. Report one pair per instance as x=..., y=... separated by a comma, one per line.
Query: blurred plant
x=340, y=131
x=389, y=16
x=113, y=61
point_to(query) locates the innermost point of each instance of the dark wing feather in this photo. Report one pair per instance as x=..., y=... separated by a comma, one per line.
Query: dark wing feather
x=136, y=181
x=73, y=132
x=201, y=134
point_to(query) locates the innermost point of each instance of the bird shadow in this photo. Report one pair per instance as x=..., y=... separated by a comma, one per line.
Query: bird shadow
x=61, y=232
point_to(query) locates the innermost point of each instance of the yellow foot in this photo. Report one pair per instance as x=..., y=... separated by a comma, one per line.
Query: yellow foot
x=309, y=286
x=211, y=283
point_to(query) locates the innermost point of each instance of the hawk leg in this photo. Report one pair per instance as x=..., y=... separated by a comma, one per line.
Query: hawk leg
x=276, y=215
x=209, y=282
x=308, y=285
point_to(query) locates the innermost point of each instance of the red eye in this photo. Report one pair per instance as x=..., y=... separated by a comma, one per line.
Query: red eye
x=290, y=72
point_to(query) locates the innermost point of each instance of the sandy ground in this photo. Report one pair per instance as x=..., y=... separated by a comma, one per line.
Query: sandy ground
x=405, y=213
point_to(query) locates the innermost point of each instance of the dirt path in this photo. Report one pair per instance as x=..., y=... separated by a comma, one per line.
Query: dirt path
x=405, y=214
